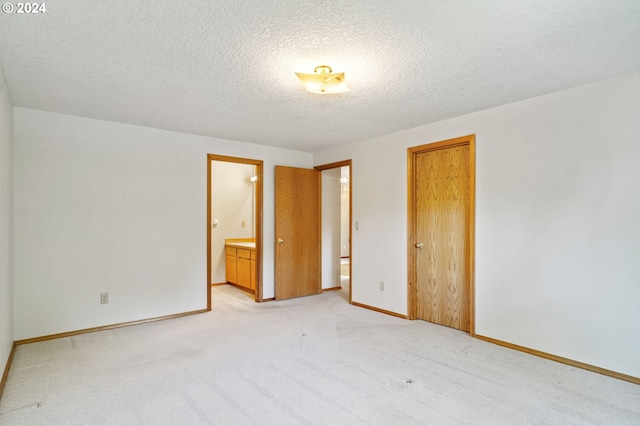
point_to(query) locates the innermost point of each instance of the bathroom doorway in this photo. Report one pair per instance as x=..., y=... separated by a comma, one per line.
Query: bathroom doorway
x=234, y=224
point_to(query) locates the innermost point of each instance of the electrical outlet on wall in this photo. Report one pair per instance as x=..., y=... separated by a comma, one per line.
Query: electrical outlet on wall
x=104, y=298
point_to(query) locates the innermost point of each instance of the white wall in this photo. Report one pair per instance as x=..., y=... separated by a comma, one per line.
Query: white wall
x=331, y=225
x=557, y=220
x=6, y=222
x=232, y=204
x=108, y=207
x=344, y=215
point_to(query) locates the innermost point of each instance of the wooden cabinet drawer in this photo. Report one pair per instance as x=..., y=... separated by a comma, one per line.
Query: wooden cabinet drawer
x=244, y=253
x=253, y=255
x=231, y=251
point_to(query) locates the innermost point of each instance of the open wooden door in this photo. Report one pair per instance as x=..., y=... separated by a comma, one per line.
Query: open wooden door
x=297, y=232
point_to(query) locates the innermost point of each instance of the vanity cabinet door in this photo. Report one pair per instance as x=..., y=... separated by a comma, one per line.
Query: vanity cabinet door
x=244, y=272
x=231, y=265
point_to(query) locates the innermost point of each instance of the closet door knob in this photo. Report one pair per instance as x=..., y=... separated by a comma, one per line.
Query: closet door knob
x=419, y=245
x=280, y=241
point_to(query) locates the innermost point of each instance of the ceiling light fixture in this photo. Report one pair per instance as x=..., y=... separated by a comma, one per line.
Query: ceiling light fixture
x=323, y=80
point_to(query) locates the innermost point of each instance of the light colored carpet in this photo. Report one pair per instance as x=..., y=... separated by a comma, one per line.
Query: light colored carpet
x=344, y=267
x=313, y=360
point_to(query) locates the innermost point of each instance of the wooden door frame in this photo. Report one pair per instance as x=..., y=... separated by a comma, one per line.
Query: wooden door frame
x=412, y=154
x=336, y=165
x=258, y=218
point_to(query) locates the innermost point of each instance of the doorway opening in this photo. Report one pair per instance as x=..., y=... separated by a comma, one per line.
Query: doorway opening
x=336, y=227
x=234, y=224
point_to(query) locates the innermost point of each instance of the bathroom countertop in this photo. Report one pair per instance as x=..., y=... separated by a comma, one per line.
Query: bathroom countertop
x=242, y=245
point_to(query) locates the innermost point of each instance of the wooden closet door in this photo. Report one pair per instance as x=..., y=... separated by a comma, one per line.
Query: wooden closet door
x=442, y=217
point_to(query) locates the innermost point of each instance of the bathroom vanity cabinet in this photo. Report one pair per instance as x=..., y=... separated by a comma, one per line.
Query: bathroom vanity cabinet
x=241, y=264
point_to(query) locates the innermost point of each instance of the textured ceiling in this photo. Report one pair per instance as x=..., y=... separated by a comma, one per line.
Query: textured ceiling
x=226, y=68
